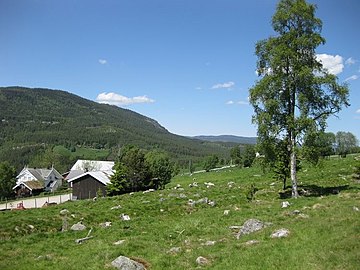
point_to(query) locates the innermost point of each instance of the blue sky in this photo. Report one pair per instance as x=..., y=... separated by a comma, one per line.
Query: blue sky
x=188, y=64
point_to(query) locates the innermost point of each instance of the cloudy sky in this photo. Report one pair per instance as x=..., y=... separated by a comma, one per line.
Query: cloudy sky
x=187, y=64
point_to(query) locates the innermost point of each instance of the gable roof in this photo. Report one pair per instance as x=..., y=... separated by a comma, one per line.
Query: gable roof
x=32, y=185
x=102, y=176
x=92, y=165
x=40, y=174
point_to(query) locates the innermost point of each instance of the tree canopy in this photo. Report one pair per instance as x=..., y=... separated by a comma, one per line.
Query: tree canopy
x=295, y=94
x=7, y=180
x=136, y=170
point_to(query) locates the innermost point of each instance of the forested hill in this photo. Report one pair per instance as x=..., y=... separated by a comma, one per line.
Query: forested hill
x=53, y=117
x=228, y=138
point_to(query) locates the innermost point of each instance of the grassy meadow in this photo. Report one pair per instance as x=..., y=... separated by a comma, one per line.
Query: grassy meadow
x=325, y=235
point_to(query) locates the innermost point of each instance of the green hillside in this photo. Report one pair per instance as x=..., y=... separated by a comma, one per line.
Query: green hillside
x=32, y=119
x=167, y=230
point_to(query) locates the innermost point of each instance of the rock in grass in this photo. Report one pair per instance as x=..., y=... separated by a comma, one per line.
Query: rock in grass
x=252, y=242
x=105, y=224
x=124, y=217
x=280, y=233
x=64, y=212
x=120, y=242
x=250, y=226
x=226, y=212
x=78, y=227
x=285, y=204
x=125, y=263
x=174, y=250
x=202, y=261
x=209, y=243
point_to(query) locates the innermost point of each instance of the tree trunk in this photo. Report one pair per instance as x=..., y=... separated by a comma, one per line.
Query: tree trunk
x=294, y=192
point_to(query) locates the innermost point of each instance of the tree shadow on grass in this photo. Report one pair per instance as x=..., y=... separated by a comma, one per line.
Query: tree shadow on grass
x=316, y=191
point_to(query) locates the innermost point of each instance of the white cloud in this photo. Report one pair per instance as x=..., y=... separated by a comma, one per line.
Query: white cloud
x=198, y=88
x=352, y=78
x=226, y=85
x=350, y=61
x=119, y=100
x=334, y=64
x=102, y=61
x=240, y=102
x=358, y=111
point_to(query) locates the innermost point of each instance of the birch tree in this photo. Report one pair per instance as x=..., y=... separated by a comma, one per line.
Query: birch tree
x=295, y=94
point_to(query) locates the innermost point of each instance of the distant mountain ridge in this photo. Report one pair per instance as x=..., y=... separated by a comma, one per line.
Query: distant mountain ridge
x=227, y=138
x=34, y=118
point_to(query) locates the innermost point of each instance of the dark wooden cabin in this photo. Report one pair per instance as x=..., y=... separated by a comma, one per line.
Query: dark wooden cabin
x=87, y=186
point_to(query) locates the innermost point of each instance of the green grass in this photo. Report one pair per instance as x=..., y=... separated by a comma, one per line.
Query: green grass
x=83, y=152
x=327, y=239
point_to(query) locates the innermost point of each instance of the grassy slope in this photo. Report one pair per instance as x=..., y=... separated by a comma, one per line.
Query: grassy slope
x=328, y=239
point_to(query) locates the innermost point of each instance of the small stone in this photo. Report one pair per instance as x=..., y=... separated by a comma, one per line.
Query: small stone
x=105, y=224
x=303, y=216
x=120, y=242
x=226, y=212
x=31, y=227
x=209, y=243
x=296, y=212
x=182, y=196
x=116, y=207
x=124, y=217
x=280, y=233
x=78, y=227
x=203, y=200
x=211, y=203
x=252, y=242
x=356, y=209
x=174, y=250
x=191, y=203
x=285, y=204
x=64, y=212
x=124, y=263
x=202, y=261
x=209, y=184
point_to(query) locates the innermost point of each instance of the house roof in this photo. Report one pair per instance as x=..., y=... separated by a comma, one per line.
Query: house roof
x=101, y=176
x=40, y=174
x=32, y=185
x=74, y=173
x=92, y=165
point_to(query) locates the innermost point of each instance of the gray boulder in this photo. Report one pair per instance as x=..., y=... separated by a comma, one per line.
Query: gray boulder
x=250, y=226
x=280, y=233
x=124, y=263
x=78, y=227
x=202, y=261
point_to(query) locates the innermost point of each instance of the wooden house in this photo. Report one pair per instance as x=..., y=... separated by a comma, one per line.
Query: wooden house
x=90, y=184
x=88, y=178
x=32, y=181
